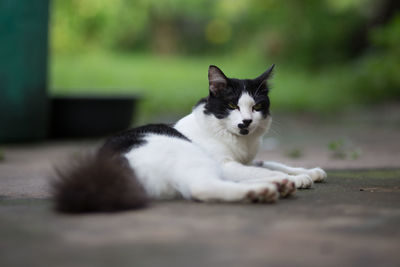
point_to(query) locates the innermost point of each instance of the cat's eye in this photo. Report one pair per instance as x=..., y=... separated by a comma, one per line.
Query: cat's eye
x=233, y=106
x=257, y=107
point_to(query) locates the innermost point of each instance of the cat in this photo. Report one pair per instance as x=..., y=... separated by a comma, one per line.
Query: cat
x=207, y=155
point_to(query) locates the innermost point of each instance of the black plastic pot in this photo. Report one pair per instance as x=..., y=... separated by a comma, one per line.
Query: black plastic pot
x=87, y=116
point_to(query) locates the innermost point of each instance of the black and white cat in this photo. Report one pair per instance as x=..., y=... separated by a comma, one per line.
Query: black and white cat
x=206, y=156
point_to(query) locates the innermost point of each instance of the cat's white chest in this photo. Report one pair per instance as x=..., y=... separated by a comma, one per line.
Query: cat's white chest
x=221, y=146
x=244, y=152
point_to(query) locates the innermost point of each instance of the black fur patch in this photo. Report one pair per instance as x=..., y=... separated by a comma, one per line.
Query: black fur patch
x=126, y=140
x=100, y=182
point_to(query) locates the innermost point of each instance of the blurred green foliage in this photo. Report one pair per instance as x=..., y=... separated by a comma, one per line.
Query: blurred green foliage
x=312, y=32
x=295, y=153
x=377, y=74
x=343, y=149
x=330, y=53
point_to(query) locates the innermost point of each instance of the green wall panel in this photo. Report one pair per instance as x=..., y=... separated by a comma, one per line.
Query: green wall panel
x=23, y=69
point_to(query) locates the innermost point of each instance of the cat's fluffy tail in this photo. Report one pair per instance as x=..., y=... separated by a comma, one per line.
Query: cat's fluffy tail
x=98, y=182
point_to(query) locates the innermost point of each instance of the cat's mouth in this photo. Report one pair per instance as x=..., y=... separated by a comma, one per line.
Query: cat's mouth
x=244, y=131
x=244, y=128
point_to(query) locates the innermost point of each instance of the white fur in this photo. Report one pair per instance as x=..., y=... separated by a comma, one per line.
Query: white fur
x=171, y=167
x=217, y=164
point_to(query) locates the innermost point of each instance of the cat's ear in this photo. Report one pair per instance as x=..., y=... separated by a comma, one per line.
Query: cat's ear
x=262, y=79
x=216, y=79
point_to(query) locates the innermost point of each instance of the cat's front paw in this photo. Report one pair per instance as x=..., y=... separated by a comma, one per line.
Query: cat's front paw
x=262, y=194
x=317, y=174
x=301, y=181
x=286, y=187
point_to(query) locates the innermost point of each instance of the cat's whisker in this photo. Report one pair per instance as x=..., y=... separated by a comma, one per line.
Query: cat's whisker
x=277, y=122
x=276, y=126
x=275, y=132
x=275, y=129
x=272, y=129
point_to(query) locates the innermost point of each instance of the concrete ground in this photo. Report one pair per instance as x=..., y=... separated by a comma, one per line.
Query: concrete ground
x=350, y=220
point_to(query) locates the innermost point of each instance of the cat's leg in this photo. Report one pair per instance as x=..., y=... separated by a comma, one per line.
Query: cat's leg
x=202, y=180
x=238, y=172
x=226, y=191
x=316, y=174
x=285, y=187
x=168, y=168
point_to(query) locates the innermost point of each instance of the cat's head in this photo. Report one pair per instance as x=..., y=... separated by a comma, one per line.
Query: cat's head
x=241, y=105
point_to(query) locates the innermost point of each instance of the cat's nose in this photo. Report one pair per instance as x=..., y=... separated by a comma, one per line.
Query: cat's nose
x=247, y=122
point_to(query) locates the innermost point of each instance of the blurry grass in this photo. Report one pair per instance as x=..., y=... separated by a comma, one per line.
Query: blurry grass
x=344, y=149
x=295, y=153
x=172, y=85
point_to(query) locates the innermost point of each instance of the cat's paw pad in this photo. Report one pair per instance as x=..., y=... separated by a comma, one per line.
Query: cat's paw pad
x=263, y=194
x=302, y=181
x=286, y=187
x=317, y=174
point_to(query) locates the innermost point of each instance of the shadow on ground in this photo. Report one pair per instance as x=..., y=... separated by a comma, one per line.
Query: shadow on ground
x=351, y=220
